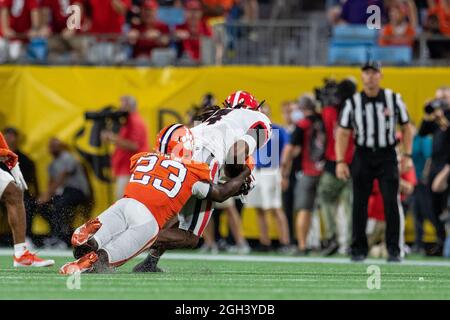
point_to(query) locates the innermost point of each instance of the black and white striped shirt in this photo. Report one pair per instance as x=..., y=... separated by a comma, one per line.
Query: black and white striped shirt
x=374, y=119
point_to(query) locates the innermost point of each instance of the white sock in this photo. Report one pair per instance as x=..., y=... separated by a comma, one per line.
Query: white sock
x=19, y=249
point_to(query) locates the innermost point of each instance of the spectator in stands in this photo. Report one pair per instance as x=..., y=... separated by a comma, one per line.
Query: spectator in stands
x=309, y=139
x=355, y=11
x=421, y=155
x=438, y=23
x=332, y=191
x=28, y=167
x=190, y=33
x=150, y=33
x=67, y=188
x=334, y=10
x=436, y=123
x=134, y=14
x=106, y=18
x=19, y=23
x=61, y=40
x=401, y=29
x=217, y=8
x=251, y=10
x=266, y=197
x=132, y=138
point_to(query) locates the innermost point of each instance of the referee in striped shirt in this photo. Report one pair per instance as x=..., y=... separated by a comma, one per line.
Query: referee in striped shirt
x=373, y=115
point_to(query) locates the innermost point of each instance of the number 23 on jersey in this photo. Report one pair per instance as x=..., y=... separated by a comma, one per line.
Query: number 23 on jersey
x=152, y=170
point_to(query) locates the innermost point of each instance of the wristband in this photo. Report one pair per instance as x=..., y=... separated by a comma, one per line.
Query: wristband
x=340, y=161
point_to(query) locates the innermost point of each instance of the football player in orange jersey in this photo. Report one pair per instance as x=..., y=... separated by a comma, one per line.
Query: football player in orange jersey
x=160, y=185
x=225, y=139
x=12, y=185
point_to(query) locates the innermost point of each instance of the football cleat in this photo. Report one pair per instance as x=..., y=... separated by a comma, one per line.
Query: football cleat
x=84, y=264
x=28, y=259
x=85, y=232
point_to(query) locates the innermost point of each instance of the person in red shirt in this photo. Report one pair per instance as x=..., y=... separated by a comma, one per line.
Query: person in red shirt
x=376, y=224
x=19, y=18
x=306, y=140
x=19, y=22
x=401, y=29
x=106, y=16
x=150, y=33
x=54, y=15
x=189, y=34
x=331, y=191
x=132, y=138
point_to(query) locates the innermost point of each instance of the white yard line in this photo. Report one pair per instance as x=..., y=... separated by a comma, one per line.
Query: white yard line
x=251, y=258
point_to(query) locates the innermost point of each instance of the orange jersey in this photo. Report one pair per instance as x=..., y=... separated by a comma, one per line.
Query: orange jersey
x=164, y=184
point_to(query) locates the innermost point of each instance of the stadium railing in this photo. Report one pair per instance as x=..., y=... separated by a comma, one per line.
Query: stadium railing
x=267, y=42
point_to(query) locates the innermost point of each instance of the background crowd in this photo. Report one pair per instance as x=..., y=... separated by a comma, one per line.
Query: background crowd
x=165, y=32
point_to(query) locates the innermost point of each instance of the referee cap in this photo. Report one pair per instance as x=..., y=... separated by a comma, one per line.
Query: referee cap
x=374, y=65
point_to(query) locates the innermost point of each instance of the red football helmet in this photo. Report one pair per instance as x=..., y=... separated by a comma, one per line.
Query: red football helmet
x=242, y=99
x=176, y=140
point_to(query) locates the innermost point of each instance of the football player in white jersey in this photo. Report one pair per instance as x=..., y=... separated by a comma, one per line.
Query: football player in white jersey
x=225, y=138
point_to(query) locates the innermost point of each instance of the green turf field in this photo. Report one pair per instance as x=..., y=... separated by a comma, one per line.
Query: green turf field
x=198, y=278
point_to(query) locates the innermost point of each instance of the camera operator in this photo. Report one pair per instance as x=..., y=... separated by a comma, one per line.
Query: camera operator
x=332, y=190
x=132, y=138
x=436, y=122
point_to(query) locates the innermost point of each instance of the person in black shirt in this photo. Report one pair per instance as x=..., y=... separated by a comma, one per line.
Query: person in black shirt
x=29, y=173
x=373, y=114
x=436, y=122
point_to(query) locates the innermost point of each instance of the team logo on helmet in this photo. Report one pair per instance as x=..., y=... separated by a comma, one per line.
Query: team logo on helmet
x=176, y=140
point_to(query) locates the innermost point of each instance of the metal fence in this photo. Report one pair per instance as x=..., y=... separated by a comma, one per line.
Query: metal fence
x=270, y=42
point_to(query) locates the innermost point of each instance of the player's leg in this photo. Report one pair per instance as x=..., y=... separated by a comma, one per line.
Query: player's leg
x=183, y=235
x=113, y=246
x=12, y=197
x=264, y=238
x=271, y=195
x=193, y=219
x=105, y=227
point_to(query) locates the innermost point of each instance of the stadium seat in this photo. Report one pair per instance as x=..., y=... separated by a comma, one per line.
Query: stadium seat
x=171, y=16
x=394, y=55
x=347, y=54
x=162, y=57
x=354, y=35
x=37, y=50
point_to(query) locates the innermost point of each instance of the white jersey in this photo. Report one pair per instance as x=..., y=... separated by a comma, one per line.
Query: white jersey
x=227, y=126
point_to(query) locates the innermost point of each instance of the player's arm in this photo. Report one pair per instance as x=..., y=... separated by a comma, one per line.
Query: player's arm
x=292, y=150
x=221, y=192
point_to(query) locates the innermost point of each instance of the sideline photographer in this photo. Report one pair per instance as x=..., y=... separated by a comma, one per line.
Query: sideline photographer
x=436, y=123
x=131, y=139
x=333, y=191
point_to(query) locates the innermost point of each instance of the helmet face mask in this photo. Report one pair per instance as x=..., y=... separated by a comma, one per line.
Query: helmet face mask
x=242, y=100
x=176, y=141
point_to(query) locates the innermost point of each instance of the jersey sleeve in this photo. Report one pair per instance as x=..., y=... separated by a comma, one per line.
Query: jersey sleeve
x=260, y=131
x=201, y=189
x=3, y=143
x=200, y=170
x=134, y=159
x=402, y=110
x=345, y=119
x=297, y=136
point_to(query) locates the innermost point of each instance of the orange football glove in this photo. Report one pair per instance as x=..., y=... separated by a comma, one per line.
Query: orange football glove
x=250, y=163
x=11, y=157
